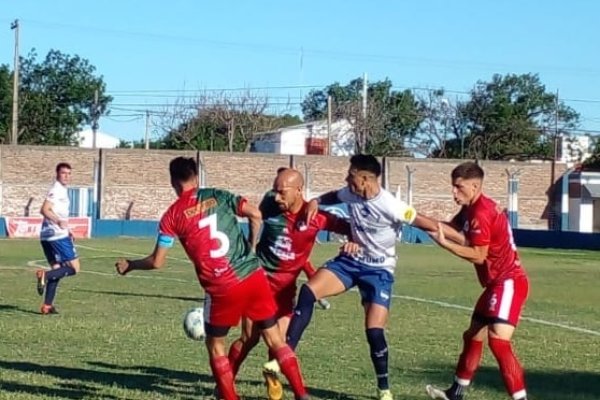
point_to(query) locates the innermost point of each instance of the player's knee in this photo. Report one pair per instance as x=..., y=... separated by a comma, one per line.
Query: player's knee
x=306, y=295
x=75, y=265
x=375, y=335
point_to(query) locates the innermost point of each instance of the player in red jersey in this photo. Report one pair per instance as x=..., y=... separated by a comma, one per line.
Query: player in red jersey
x=284, y=249
x=481, y=234
x=205, y=221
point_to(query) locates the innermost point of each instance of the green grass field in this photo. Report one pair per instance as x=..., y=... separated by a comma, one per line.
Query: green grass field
x=121, y=337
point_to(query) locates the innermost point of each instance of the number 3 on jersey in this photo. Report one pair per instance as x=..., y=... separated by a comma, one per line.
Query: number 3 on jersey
x=211, y=223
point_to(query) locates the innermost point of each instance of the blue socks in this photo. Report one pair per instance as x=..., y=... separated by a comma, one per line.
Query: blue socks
x=52, y=278
x=302, y=316
x=379, y=355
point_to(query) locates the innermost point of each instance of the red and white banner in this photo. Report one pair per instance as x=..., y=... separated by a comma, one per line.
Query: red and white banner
x=29, y=227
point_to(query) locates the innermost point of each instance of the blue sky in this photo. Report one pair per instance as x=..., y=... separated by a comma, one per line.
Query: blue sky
x=150, y=53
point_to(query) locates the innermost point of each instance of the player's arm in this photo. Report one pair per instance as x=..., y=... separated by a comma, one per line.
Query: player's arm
x=472, y=253
x=156, y=260
x=309, y=269
x=50, y=215
x=335, y=224
x=326, y=199
x=431, y=225
x=254, y=222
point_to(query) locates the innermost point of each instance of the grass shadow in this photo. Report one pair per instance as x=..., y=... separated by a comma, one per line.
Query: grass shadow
x=15, y=309
x=145, y=295
x=147, y=379
x=547, y=384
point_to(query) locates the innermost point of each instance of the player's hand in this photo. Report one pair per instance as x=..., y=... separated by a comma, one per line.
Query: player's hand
x=122, y=266
x=63, y=223
x=312, y=208
x=441, y=238
x=350, y=248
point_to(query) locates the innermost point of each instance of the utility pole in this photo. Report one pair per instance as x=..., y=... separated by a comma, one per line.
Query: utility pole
x=15, y=103
x=95, y=115
x=363, y=126
x=329, y=125
x=364, y=96
x=147, y=135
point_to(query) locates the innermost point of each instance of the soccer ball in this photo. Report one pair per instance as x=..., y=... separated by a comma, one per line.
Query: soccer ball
x=193, y=324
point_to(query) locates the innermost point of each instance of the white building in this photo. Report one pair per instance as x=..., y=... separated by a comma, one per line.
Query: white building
x=307, y=138
x=574, y=149
x=581, y=201
x=103, y=140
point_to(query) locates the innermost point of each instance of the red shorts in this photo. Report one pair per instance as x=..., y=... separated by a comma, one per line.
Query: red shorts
x=285, y=298
x=503, y=301
x=251, y=298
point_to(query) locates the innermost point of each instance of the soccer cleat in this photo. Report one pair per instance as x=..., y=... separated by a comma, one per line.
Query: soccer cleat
x=436, y=393
x=48, y=309
x=274, y=386
x=384, y=394
x=41, y=281
x=324, y=304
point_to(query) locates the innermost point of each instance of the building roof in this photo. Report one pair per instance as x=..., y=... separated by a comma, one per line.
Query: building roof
x=103, y=140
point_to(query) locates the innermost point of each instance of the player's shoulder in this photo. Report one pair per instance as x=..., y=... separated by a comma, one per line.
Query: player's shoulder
x=387, y=199
x=485, y=206
x=57, y=190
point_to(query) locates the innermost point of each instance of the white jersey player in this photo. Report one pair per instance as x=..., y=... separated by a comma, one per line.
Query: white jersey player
x=56, y=239
x=375, y=217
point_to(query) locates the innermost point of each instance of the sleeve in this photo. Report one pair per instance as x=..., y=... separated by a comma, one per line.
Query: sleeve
x=480, y=228
x=233, y=202
x=402, y=212
x=166, y=230
x=333, y=223
x=52, y=194
x=344, y=195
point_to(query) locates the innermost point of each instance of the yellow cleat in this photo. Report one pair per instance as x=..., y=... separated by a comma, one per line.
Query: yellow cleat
x=384, y=394
x=274, y=386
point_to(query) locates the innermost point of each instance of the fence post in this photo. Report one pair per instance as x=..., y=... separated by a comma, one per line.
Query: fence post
x=513, y=197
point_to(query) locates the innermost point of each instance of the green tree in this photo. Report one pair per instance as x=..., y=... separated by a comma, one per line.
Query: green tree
x=56, y=98
x=514, y=116
x=5, y=103
x=389, y=119
x=593, y=162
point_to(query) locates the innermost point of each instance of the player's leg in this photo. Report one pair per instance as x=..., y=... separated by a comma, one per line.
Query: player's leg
x=330, y=280
x=511, y=296
x=219, y=363
x=375, y=287
x=41, y=273
x=310, y=270
x=468, y=363
x=220, y=313
x=66, y=255
x=241, y=347
x=286, y=359
x=261, y=308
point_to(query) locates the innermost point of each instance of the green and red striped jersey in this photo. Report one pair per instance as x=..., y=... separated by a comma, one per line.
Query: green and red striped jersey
x=286, y=242
x=205, y=221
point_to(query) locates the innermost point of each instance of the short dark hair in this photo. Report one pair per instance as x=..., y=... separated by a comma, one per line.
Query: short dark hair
x=182, y=169
x=366, y=162
x=62, y=165
x=467, y=170
x=281, y=169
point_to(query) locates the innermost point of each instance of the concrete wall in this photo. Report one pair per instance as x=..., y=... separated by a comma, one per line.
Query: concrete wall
x=134, y=183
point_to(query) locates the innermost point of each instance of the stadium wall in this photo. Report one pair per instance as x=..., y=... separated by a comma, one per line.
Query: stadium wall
x=133, y=184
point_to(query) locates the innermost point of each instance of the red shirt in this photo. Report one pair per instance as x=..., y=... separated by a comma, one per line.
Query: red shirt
x=484, y=225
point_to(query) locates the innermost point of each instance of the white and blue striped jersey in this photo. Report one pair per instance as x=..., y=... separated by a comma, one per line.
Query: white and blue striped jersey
x=375, y=224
